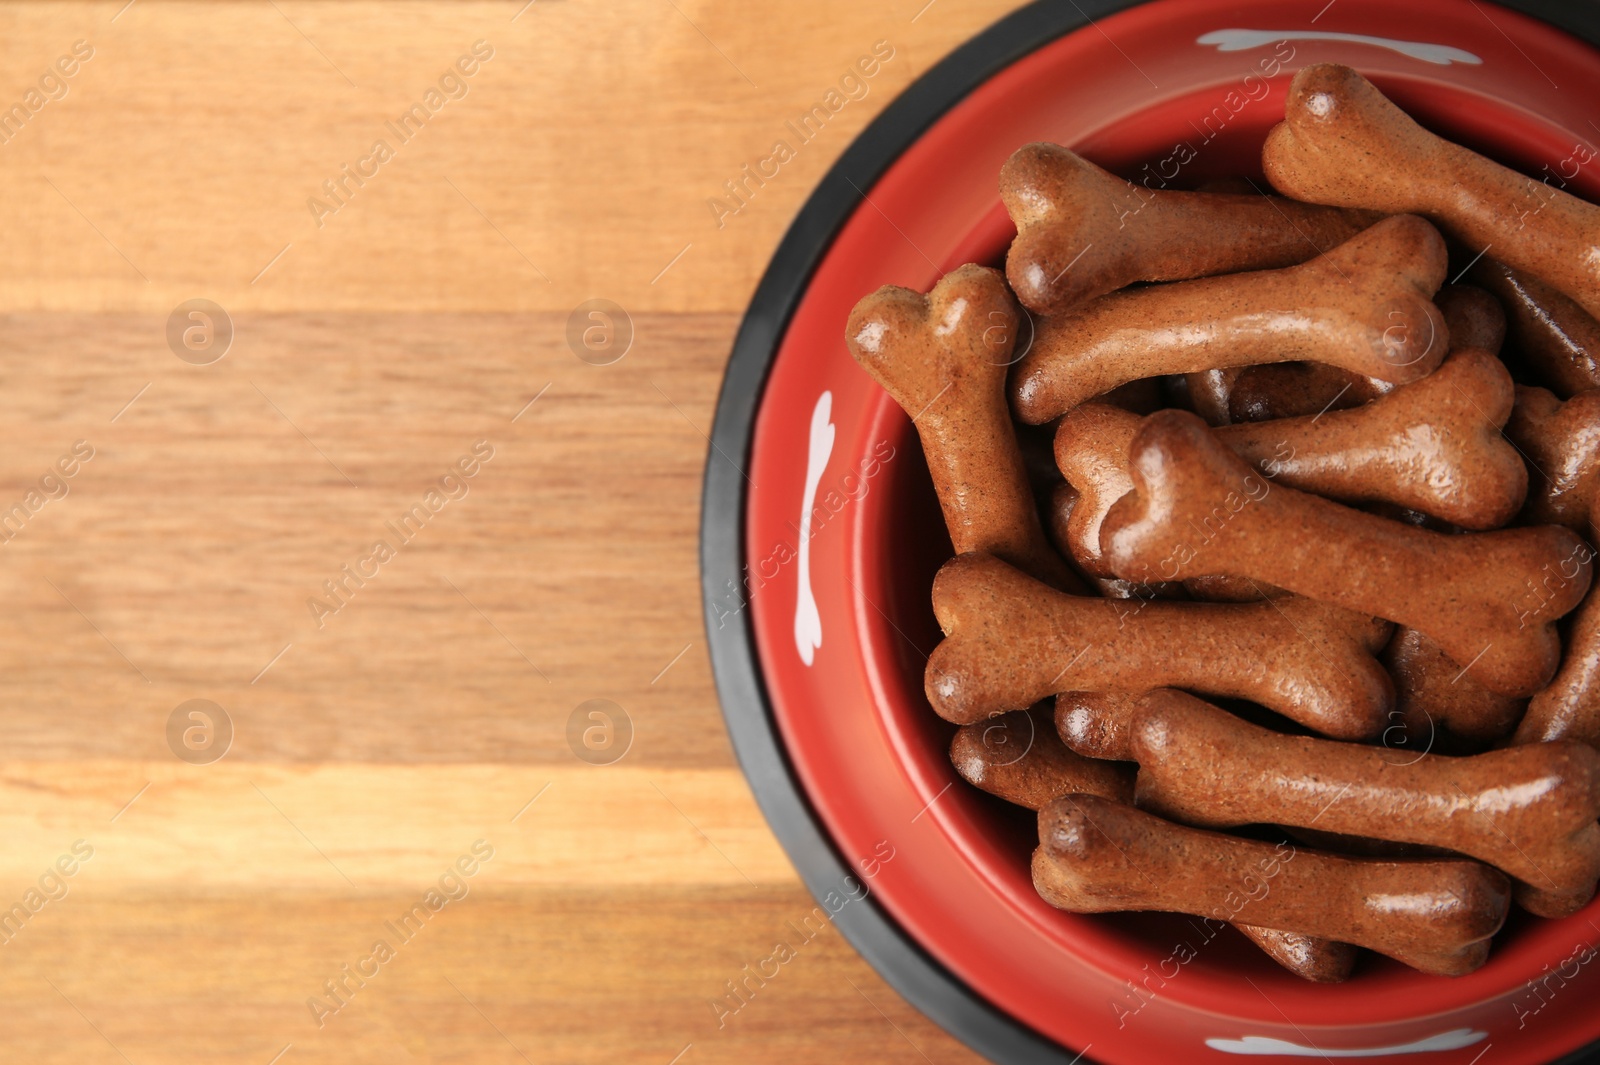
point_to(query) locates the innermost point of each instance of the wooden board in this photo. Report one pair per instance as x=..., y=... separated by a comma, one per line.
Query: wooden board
x=373, y=347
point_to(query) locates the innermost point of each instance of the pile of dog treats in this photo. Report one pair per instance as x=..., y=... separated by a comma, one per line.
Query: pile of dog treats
x=1296, y=592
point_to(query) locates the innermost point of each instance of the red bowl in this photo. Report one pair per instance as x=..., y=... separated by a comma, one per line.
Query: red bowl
x=842, y=683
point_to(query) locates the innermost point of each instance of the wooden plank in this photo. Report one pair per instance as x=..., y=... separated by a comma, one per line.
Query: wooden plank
x=343, y=828
x=370, y=353
x=219, y=495
x=594, y=975
x=580, y=161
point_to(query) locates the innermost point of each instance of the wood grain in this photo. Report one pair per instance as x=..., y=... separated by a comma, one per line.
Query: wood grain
x=370, y=353
x=481, y=983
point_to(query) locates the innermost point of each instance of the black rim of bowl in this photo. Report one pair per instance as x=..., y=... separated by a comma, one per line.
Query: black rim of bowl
x=910, y=970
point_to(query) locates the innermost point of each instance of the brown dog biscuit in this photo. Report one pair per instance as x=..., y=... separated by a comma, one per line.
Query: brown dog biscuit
x=1020, y=758
x=1082, y=232
x=1528, y=811
x=1490, y=600
x=1343, y=143
x=987, y=754
x=1091, y=450
x=1321, y=961
x=1433, y=446
x=1562, y=443
x=1100, y=725
x=1098, y=856
x=1557, y=339
x=1365, y=307
x=1297, y=389
x=1569, y=707
x=1058, y=520
x=1095, y=724
x=1011, y=641
x=944, y=357
x=1438, y=706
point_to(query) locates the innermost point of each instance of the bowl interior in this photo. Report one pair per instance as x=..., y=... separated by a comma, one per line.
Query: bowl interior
x=907, y=543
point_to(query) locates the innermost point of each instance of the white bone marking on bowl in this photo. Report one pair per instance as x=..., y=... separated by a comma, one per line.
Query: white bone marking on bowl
x=807, y=620
x=1241, y=40
x=1255, y=1045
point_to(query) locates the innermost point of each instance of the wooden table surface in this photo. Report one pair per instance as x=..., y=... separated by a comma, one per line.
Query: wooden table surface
x=165, y=152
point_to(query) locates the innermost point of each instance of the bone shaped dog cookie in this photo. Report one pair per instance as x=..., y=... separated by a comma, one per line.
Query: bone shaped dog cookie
x=1099, y=856
x=1011, y=641
x=1058, y=519
x=1528, y=811
x=1082, y=232
x=1557, y=339
x=1311, y=958
x=1569, y=707
x=1562, y=443
x=1100, y=725
x=1092, y=453
x=1293, y=389
x=1091, y=447
x=1433, y=446
x=1020, y=757
x=1342, y=142
x=1096, y=724
x=943, y=357
x=1489, y=600
x=1364, y=307
x=1440, y=707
